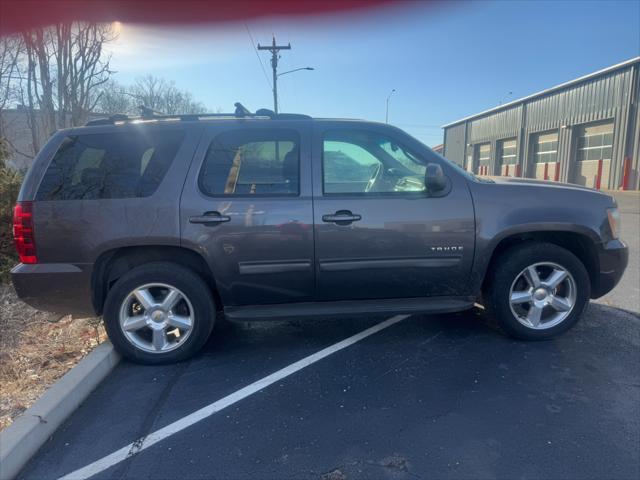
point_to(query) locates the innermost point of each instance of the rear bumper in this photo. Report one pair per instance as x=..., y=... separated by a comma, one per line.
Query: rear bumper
x=613, y=257
x=55, y=287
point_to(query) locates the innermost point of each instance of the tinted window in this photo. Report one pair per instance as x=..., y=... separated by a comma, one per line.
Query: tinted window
x=366, y=162
x=109, y=165
x=252, y=162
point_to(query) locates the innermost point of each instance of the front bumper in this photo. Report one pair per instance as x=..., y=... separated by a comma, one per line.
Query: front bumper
x=613, y=257
x=55, y=287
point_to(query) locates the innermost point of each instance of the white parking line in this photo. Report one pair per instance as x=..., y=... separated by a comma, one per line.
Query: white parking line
x=185, y=422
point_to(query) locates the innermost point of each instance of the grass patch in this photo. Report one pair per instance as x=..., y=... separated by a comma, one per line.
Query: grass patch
x=36, y=349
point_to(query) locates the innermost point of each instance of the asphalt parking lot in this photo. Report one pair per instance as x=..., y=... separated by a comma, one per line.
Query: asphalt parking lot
x=428, y=397
x=445, y=396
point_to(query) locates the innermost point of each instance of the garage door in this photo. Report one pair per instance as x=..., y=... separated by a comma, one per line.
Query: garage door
x=507, y=157
x=545, y=152
x=593, y=154
x=483, y=158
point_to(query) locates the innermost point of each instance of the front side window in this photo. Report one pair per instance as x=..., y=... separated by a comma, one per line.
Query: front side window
x=545, y=147
x=367, y=162
x=252, y=162
x=109, y=165
x=595, y=142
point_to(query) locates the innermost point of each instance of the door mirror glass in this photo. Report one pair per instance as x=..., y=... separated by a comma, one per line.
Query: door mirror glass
x=434, y=178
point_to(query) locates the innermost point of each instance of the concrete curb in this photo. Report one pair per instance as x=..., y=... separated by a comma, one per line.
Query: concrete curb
x=22, y=439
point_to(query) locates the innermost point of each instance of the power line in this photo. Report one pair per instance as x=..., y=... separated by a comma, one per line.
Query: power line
x=253, y=44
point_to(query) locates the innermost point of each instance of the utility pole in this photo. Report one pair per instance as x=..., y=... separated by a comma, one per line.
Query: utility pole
x=274, y=49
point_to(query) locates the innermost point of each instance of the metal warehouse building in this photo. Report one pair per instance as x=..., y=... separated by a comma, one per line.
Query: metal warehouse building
x=586, y=131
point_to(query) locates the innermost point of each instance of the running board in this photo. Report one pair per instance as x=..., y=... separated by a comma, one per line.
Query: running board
x=350, y=307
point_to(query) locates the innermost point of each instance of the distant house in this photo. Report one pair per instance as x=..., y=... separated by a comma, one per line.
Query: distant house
x=438, y=148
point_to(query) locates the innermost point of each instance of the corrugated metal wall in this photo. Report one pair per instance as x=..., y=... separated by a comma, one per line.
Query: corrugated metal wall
x=502, y=124
x=594, y=100
x=633, y=138
x=454, y=143
x=612, y=95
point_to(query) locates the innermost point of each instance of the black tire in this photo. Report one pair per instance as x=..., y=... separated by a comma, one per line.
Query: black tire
x=187, y=282
x=506, y=269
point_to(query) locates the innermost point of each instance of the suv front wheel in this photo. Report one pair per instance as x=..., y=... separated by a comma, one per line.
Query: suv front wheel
x=537, y=290
x=159, y=313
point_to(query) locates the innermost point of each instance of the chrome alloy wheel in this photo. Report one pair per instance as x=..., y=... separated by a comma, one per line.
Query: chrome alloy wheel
x=156, y=317
x=542, y=295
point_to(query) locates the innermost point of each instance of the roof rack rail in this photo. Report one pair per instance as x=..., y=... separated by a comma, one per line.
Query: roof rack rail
x=240, y=112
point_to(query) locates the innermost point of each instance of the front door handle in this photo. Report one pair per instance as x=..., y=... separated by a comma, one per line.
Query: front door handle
x=210, y=218
x=342, y=217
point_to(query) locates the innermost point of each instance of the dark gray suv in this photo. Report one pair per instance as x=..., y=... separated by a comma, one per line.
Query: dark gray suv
x=159, y=224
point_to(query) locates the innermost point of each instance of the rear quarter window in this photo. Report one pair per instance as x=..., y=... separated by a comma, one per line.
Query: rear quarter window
x=110, y=165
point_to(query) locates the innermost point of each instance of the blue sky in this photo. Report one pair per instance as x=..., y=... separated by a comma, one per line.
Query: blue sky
x=445, y=62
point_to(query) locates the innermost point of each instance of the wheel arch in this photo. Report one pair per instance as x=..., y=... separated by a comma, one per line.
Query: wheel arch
x=580, y=243
x=112, y=264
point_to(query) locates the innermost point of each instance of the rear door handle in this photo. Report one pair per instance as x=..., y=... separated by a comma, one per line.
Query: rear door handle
x=210, y=218
x=342, y=217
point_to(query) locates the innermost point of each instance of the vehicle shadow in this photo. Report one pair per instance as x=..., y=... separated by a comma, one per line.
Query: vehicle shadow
x=276, y=334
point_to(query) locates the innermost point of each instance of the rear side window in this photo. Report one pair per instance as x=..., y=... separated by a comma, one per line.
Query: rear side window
x=110, y=165
x=252, y=162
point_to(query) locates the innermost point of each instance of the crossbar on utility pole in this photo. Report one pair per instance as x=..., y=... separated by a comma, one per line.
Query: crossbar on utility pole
x=274, y=49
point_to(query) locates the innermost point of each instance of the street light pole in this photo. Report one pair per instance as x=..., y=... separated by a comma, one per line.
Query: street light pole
x=386, y=116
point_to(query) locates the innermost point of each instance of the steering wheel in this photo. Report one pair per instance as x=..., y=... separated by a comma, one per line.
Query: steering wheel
x=374, y=177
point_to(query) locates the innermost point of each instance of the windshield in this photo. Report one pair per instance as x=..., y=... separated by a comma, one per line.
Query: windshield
x=402, y=156
x=461, y=170
x=415, y=165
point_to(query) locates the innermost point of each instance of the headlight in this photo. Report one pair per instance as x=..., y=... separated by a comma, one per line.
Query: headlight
x=613, y=214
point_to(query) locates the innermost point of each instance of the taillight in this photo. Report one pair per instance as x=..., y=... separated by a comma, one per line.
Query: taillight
x=23, y=232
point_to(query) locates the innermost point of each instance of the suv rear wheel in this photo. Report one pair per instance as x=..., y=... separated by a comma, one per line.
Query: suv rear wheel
x=159, y=313
x=537, y=290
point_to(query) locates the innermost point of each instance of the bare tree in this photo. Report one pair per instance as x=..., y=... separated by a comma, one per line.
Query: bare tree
x=163, y=96
x=114, y=98
x=11, y=47
x=84, y=67
x=150, y=92
x=61, y=71
x=39, y=84
x=10, y=50
x=60, y=74
x=177, y=101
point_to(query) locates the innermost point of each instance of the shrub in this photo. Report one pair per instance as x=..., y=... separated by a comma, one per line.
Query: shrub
x=10, y=181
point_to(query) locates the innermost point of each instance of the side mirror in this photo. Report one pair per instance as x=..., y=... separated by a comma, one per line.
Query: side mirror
x=434, y=178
